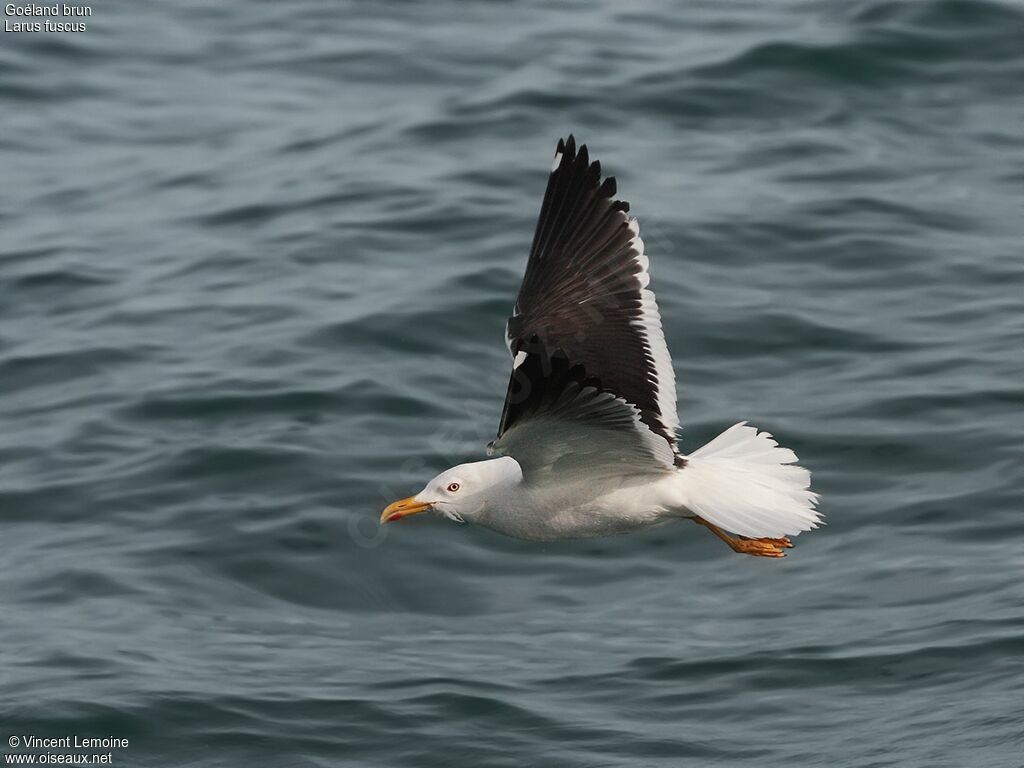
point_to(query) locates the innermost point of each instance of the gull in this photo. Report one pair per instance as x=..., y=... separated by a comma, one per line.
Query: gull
x=587, y=441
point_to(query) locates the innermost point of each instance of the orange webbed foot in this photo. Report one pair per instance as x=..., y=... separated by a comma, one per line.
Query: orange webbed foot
x=760, y=547
x=766, y=547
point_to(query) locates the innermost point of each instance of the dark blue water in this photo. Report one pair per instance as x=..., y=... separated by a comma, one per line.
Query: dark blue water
x=255, y=262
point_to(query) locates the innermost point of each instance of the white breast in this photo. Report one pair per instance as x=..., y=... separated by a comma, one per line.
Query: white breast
x=584, y=509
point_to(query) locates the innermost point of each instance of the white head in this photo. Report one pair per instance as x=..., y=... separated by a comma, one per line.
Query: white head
x=460, y=493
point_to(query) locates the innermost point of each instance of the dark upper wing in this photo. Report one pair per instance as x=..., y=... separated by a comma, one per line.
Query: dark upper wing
x=584, y=318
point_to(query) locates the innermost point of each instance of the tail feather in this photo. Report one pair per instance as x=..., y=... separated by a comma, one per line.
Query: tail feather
x=745, y=482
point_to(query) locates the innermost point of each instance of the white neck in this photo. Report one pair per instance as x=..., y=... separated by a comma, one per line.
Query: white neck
x=494, y=481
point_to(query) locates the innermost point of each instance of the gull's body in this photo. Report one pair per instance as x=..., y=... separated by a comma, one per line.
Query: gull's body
x=587, y=440
x=577, y=508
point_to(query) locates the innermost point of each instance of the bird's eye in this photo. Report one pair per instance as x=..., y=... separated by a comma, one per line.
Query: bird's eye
x=453, y=487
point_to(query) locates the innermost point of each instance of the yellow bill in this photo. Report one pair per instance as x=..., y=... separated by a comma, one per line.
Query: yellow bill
x=403, y=508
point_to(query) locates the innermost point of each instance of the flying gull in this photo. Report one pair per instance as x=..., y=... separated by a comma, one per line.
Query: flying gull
x=587, y=445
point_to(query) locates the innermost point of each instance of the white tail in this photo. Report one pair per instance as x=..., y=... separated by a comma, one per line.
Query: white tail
x=745, y=482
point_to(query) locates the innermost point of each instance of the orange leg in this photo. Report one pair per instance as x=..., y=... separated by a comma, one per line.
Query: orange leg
x=756, y=547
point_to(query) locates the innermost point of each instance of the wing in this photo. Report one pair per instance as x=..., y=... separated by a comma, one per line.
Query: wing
x=589, y=357
x=567, y=423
